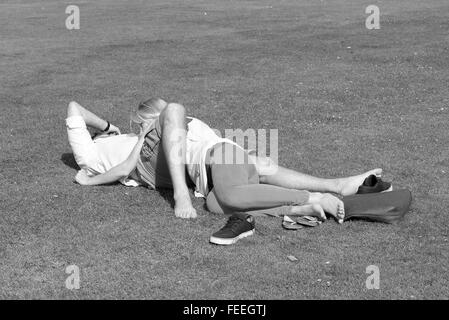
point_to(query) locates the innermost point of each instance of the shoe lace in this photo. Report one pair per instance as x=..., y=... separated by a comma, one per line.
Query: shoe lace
x=233, y=223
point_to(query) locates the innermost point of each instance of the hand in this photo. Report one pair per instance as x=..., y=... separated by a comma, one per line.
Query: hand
x=82, y=178
x=113, y=129
x=145, y=127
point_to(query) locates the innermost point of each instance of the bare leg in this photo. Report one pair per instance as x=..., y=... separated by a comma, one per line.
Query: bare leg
x=315, y=208
x=174, y=144
x=292, y=179
x=236, y=188
x=301, y=210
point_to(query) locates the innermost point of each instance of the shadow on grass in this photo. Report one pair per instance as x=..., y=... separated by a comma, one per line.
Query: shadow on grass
x=167, y=194
x=69, y=160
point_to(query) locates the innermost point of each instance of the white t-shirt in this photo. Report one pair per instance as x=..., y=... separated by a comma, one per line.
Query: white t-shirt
x=113, y=150
x=101, y=154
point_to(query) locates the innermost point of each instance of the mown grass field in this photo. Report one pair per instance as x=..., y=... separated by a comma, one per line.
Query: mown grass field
x=344, y=99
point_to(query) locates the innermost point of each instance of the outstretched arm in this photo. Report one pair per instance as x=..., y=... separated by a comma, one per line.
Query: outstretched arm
x=118, y=172
x=91, y=119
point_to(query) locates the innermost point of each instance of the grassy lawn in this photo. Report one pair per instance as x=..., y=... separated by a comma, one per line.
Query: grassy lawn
x=345, y=99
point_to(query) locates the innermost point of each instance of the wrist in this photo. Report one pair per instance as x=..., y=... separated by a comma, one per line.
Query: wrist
x=141, y=138
x=108, y=126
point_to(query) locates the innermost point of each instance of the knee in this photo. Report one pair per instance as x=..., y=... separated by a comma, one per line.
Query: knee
x=265, y=166
x=229, y=199
x=175, y=109
x=173, y=113
x=73, y=109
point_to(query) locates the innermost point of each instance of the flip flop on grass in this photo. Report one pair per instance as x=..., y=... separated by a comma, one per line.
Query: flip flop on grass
x=308, y=221
x=301, y=222
x=289, y=224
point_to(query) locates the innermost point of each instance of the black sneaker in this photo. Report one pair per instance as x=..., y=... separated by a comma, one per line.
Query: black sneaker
x=239, y=226
x=373, y=184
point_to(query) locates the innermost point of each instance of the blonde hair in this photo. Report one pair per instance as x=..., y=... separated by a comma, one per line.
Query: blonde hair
x=148, y=110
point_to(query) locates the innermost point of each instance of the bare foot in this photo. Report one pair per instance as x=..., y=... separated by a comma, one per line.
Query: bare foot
x=184, y=208
x=330, y=204
x=349, y=186
x=185, y=213
x=314, y=210
x=341, y=212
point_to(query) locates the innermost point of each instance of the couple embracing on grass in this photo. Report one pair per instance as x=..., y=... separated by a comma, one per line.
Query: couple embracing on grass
x=174, y=151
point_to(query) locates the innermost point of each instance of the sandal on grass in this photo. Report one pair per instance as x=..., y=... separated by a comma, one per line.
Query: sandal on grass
x=308, y=221
x=301, y=222
x=289, y=224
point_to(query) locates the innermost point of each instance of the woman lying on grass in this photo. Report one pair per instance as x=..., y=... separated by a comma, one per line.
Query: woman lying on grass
x=112, y=156
x=159, y=155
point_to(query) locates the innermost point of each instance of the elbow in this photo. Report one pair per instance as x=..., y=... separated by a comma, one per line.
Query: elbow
x=73, y=104
x=73, y=109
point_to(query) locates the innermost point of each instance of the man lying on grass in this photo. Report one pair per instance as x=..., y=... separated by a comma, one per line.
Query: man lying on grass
x=214, y=165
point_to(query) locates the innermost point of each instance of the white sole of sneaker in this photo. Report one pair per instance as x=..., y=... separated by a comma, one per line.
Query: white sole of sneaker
x=227, y=242
x=389, y=189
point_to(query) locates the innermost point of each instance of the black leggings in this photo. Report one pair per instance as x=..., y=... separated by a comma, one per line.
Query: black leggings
x=236, y=187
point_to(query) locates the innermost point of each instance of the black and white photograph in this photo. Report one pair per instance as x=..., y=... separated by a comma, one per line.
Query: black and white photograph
x=222, y=154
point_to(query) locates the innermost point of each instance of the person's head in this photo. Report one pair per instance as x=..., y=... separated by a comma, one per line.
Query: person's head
x=147, y=111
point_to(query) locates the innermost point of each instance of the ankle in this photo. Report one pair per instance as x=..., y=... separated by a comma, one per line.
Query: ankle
x=339, y=185
x=315, y=197
x=182, y=197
